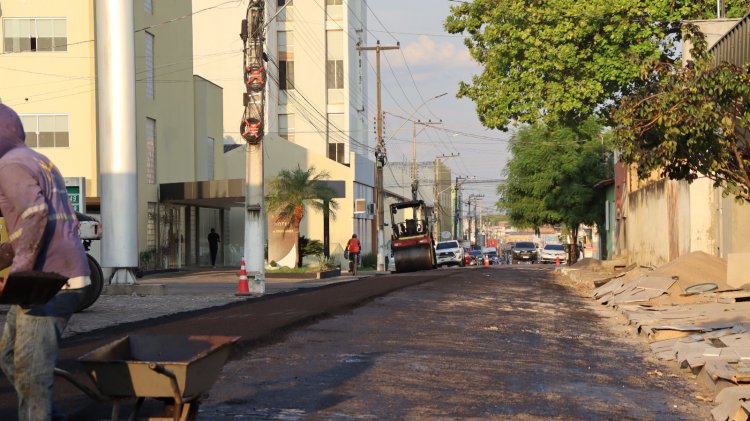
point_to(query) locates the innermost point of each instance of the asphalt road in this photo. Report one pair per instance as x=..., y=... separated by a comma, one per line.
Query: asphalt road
x=480, y=343
x=499, y=343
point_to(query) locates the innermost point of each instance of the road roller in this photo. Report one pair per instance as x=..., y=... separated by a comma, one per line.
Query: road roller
x=411, y=242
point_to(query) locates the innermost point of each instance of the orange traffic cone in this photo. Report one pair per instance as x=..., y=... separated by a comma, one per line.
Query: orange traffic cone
x=242, y=287
x=486, y=260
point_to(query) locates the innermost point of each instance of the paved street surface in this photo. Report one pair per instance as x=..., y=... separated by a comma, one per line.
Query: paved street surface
x=479, y=343
x=501, y=343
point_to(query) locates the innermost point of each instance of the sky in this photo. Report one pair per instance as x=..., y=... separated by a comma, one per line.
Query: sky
x=431, y=62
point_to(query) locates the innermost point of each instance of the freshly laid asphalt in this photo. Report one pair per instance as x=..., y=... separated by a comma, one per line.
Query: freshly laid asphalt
x=204, y=303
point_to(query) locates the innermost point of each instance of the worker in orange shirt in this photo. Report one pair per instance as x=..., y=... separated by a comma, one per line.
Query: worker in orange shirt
x=353, y=249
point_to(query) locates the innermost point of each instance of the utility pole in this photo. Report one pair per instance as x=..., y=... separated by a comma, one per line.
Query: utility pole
x=438, y=212
x=380, y=156
x=457, y=225
x=252, y=34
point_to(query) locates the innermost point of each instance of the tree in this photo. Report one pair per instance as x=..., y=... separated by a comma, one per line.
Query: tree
x=551, y=175
x=565, y=60
x=690, y=121
x=291, y=191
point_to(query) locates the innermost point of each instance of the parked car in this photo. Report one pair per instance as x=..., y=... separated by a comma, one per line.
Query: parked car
x=449, y=253
x=524, y=251
x=551, y=252
x=477, y=258
x=491, y=254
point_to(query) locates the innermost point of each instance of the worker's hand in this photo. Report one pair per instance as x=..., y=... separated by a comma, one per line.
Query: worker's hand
x=6, y=255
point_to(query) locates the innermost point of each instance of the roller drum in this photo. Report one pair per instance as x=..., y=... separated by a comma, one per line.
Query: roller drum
x=413, y=258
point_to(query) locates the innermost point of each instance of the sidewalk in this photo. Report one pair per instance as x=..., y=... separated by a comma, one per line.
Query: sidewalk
x=183, y=291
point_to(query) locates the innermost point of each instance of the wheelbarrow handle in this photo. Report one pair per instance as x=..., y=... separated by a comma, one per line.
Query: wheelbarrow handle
x=172, y=380
x=92, y=393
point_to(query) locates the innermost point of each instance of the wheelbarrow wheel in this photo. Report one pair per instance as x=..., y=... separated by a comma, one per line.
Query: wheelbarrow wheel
x=94, y=290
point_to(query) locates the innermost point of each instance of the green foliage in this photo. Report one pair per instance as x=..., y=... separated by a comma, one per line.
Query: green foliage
x=369, y=261
x=310, y=247
x=273, y=264
x=691, y=121
x=291, y=190
x=325, y=263
x=564, y=60
x=550, y=178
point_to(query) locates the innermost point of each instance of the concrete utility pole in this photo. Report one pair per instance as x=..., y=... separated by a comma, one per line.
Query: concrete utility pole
x=380, y=157
x=115, y=60
x=458, y=225
x=252, y=34
x=414, y=178
x=437, y=210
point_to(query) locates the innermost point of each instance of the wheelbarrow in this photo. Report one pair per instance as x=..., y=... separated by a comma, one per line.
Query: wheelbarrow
x=176, y=369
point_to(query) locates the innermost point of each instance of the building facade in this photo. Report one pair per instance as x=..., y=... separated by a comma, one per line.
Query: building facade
x=49, y=77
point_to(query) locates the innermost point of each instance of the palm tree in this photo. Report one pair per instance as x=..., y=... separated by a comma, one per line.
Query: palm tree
x=291, y=191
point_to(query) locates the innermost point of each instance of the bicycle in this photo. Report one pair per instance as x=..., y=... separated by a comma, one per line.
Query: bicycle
x=353, y=263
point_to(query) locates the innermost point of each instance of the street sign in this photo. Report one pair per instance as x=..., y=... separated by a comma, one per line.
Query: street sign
x=76, y=188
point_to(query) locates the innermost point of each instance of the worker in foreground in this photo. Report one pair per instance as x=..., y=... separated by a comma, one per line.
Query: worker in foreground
x=43, y=237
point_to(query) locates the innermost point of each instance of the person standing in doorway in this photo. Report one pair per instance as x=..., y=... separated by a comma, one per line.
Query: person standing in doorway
x=213, y=246
x=43, y=237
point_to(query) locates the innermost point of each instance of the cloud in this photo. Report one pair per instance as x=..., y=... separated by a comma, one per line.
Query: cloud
x=426, y=53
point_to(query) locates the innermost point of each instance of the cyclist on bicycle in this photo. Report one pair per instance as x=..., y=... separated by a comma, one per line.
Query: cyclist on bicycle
x=353, y=248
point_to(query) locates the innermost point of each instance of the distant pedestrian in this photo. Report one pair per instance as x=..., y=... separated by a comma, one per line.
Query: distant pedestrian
x=213, y=246
x=43, y=232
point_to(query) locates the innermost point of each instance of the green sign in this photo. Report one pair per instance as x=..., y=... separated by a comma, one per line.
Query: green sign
x=74, y=194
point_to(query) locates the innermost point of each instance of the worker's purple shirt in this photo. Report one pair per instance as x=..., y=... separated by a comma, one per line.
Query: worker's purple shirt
x=41, y=222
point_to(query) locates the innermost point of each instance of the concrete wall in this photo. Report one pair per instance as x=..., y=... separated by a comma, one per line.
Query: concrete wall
x=657, y=227
x=281, y=154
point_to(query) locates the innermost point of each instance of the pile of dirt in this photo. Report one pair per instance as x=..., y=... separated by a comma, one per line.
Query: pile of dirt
x=588, y=264
x=695, y=268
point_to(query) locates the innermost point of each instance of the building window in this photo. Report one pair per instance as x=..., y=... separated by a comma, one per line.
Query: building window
x=287, y=13
x=148, y=6
x=336, y=138
x=150, y=150
x=334, y=2
x=35, y=34
x=286, y=59
x=149, y=64
x=151, y=226
x=286, y=126
x=335, y=74
x=210, y=157
x=46, y=131
x=286, y=75
x=335, y=66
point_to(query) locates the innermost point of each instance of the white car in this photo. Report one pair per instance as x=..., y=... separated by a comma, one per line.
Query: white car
x=449, y=253
x=551, y=252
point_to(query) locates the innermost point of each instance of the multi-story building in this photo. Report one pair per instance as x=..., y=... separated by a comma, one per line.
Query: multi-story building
x=316, y=104
x=188, y=182
x=49, y=76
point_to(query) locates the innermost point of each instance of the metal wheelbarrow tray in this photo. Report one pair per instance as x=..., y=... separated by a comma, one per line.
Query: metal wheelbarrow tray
x=181, y=367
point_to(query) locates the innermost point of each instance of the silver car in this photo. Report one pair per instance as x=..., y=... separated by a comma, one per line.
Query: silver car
x=551, y=252
x=449, y=253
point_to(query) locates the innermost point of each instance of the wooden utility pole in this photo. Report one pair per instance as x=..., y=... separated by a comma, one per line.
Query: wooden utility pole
x=380, y=156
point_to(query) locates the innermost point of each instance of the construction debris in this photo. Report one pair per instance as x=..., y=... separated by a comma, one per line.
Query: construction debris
x=690, y=315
